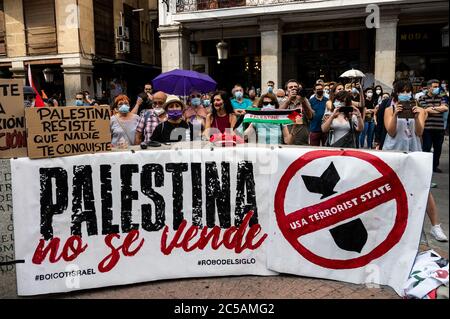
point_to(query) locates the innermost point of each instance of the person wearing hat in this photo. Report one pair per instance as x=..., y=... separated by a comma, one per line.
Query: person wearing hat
x=29, y=96
x=175, y=129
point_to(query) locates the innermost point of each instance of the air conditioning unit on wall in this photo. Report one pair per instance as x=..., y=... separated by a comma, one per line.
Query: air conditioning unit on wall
x=124, y=47
x=123, y=32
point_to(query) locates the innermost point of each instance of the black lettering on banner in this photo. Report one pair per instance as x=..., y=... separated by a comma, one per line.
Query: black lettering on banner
x=147, y=189
x=245, y=181
x=106, y=195
x=177, y=170
x=196, y=174
x=48, y=208
x=217, y=195
x=83, y=192
x=127, y=196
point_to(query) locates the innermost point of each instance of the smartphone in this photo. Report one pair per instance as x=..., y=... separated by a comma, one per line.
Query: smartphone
x=346, y=109
x=407, y=112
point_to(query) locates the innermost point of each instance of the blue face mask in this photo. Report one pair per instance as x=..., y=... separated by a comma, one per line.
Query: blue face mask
x=124, y=108
x=196, y=101
x=403, y=97
x=238, y=95
x=436, y=91
x=206, y=103
x=270, y=89
x=79, y=103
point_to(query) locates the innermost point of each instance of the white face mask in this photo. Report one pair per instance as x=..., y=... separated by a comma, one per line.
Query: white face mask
x=159, y=111
x=369, y=94
x=378, y=92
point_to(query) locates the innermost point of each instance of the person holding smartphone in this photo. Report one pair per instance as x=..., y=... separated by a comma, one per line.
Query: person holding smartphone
x=343, y=122
x=297, y=100
x=404, y=134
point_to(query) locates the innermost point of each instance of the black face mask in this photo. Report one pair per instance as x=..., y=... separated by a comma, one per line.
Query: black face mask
x=319, y=93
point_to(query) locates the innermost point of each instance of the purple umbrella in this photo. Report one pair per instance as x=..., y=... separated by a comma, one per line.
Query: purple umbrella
x=181, y=82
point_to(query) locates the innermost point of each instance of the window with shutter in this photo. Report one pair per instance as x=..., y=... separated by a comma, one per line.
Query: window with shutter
x=104, y=28
x=40, y=26
x=2, y=30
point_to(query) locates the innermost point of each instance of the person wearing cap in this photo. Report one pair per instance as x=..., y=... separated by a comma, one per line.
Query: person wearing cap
x=175, y=129
x=29, y=96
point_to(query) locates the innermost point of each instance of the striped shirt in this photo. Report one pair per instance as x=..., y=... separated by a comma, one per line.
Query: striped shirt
x=434, y=121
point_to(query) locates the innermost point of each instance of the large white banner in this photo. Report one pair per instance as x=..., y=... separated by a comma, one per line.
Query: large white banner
x=349, y=215
x=119, y=218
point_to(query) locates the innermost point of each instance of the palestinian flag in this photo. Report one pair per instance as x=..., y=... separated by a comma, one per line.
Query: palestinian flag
x=272, y=116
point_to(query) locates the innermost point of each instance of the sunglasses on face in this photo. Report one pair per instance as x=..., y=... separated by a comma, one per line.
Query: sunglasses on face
x=266, y=103
x=194, y=96
x=79, y=99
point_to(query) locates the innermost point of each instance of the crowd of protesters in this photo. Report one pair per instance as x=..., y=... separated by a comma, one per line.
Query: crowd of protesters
x=336, y=115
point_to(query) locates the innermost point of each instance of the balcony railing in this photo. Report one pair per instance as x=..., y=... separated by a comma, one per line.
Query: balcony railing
x=197, y=5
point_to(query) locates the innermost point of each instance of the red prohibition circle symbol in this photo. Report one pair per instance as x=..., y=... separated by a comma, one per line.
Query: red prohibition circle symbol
x=396, y=193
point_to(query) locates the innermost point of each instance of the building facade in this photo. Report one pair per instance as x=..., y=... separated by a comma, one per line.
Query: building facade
x=91, y=45
x=309, y=39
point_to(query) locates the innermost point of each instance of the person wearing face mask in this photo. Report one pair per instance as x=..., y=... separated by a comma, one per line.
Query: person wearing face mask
x=270, y=87
x=239, y=103
x=404, y=135
x=29, y=96
x=378, y=95
x=281, y=96
x=151, y=119
x=222, y=118
x=369, y=120
x=318, y=103
x=268, y=133
x=195, y=113
x=206, y=102
x=123, y=123
x=434, y=132
x=80, y=99
x=343, y=123
x=175, y=129
x=326, y=91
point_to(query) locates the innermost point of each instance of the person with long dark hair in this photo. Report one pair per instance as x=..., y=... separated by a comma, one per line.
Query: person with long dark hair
x=369, y=119
x=405, y=135
x=222, y=115
x=343, y=122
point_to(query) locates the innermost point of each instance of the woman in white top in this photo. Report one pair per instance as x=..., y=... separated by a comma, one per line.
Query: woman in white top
x=404, y=134
x=344, y=121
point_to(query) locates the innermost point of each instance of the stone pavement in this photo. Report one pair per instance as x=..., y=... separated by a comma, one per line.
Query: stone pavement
x=282, y=286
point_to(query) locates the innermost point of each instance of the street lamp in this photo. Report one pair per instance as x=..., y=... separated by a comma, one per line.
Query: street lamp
x=222, y=49
x=48, y=75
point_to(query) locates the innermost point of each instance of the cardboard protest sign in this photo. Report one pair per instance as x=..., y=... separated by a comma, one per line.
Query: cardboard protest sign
x=64, y=131
x=349, y=215
x=7, y=258
x=13, y=141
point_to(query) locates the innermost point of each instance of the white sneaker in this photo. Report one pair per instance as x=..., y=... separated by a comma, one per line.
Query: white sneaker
x=437, y=233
